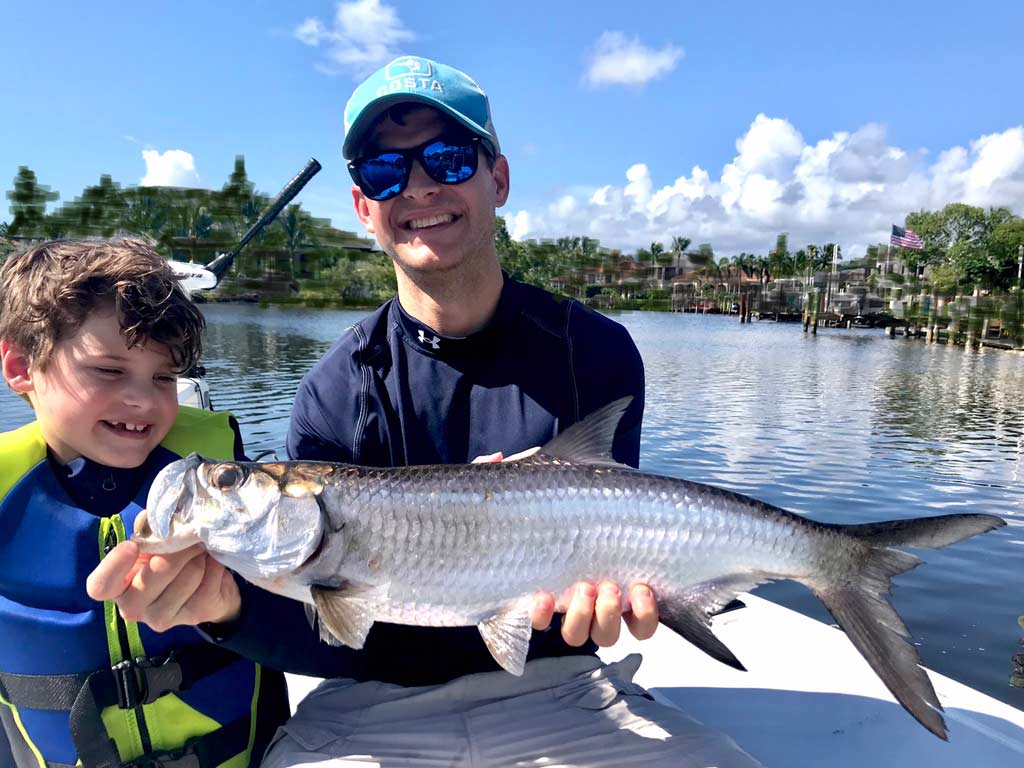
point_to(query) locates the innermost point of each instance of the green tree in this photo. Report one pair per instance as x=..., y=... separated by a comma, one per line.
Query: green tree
x=779, y=260
x=659, y=255
x=146, y=212
x=1003, y=244
x=513, y=255
x=193, y=220
x=298, y=227
x=98, y=212
x=678, y=249
x=28, y=204
x=235, y=202
x=970, y=262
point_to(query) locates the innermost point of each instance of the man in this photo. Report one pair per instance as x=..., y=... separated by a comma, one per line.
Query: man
x=465, y=362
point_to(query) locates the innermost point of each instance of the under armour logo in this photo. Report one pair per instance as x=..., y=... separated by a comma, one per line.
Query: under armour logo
x=432, y=341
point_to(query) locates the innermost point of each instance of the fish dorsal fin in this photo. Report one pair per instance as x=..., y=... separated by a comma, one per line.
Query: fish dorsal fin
x=590, y=441
x=507, y=636
x=346, y=612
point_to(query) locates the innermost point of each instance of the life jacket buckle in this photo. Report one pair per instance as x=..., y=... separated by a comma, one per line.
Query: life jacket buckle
x=143, y=680
x=186, y=757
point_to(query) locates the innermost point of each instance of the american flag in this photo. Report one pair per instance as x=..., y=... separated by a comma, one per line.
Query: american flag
x=906, y=238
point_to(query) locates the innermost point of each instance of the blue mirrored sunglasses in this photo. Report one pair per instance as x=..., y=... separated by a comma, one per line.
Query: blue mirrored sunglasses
x=446, y=161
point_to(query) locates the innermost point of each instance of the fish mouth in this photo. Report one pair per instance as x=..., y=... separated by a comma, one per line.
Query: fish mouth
x=168, y=506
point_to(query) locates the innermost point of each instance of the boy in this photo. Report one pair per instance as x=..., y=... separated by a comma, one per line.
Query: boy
x=93, y=335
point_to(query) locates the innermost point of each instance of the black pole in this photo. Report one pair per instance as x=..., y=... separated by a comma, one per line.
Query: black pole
x=223, y=262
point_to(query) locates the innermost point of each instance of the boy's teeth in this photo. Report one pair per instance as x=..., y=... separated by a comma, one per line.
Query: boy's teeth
x=431, y=221
x=129, y=427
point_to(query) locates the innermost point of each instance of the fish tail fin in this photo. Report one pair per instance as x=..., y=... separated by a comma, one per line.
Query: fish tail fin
x=859, y=603
x=877, y=631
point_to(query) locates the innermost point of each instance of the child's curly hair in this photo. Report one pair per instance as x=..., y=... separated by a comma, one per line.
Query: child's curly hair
x=47, y=292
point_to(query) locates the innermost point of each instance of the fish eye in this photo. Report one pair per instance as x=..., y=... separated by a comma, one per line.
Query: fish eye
x=224, y=477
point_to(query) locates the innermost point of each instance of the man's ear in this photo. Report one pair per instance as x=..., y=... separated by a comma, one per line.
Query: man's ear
x=500, y=174
x=17, y=368
x=362, y=207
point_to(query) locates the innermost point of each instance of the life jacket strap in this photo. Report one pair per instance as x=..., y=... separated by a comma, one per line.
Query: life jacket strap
x=134, y=683
x=207, y=751
x=46, y=692
x=127, y=685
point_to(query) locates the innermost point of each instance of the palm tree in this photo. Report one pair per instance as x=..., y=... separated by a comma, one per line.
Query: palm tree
x=679, y=246
x=657, y=250
x=296, y=226
x=194, y=223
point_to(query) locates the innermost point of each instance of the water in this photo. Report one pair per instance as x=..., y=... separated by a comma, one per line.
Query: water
x=846, y=426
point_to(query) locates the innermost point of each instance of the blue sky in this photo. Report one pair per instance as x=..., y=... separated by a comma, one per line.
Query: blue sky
x=627, y=122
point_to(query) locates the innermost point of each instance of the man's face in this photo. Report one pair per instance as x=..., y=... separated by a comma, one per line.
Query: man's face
x=96, y=397
x=429, y=226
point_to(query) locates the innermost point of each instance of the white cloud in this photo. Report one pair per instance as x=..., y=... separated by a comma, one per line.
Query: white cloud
x=618, y=60
x=173, y=168
x=362, y=36
x=849, y=187
x=518, y=224
x=310, y=32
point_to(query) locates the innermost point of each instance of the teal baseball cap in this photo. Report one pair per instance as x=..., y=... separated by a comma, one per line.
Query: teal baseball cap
x=413, y=78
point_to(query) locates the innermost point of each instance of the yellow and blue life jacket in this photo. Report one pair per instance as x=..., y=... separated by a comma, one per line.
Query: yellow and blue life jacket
x=78, y=684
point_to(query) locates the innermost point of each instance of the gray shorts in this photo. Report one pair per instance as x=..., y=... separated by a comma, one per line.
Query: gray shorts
x=573, y=711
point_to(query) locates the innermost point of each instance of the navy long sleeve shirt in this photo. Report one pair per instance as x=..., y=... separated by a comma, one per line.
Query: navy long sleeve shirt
x=393, y=392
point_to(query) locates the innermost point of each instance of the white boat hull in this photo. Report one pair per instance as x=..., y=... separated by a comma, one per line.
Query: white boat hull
x=808, y=699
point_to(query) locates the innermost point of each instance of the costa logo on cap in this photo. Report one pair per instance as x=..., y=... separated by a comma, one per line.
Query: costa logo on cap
x=409, y=73
x=416, y=79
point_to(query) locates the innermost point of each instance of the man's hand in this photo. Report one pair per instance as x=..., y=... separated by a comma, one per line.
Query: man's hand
x=164, y=591
x=591, y=611
x=596, y=611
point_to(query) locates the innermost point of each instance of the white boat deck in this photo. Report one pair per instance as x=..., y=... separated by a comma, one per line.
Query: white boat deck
x=809, y=699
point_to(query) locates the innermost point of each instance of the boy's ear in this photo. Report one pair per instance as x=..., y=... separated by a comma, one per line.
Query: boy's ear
x=17, y=368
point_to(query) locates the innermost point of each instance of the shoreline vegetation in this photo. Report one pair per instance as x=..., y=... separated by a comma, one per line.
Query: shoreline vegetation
x=964, y=284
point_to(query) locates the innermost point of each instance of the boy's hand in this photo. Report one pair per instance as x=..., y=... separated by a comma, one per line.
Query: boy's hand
x=594, y=612
x=164, y=591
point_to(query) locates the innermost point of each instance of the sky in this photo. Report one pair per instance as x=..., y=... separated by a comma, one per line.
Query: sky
x=627, y=122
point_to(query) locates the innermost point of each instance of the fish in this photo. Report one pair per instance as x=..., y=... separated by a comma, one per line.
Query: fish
x=471, y=544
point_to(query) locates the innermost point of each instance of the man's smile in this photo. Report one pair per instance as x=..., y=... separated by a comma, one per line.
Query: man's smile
x=430, y=221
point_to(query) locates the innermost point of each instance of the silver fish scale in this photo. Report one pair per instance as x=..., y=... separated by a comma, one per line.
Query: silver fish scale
x=453, y=542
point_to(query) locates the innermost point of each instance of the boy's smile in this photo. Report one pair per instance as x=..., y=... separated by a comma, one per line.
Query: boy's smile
x=99, y=399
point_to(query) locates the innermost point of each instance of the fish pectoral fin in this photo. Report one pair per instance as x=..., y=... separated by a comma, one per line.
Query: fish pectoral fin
x=310, y=613
x=507, y=636
x=688, y=613
x=322, y=630
x=347, y=612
